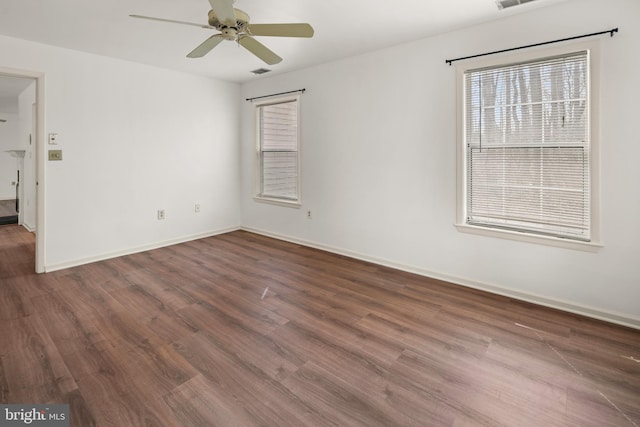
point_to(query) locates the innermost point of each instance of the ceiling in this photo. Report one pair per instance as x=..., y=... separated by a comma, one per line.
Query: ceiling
x=343, y=28
x=11, y=87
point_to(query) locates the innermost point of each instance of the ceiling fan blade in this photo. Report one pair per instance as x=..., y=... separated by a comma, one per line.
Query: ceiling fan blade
x=206, y=46
x=259, y=50
x=173, y=21
x=280, y=30
x=224, y=11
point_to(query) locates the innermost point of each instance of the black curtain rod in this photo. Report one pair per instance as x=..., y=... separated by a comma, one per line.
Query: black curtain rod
x=611, y=31
x=276, y=94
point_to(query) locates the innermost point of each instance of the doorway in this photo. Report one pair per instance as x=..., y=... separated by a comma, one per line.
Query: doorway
x=10, y=200
x=21, y=154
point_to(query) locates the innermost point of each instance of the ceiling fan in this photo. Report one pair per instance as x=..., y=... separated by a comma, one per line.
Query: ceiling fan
x=234, y=25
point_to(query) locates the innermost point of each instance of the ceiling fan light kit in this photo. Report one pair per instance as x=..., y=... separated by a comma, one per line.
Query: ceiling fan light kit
x=234, y=25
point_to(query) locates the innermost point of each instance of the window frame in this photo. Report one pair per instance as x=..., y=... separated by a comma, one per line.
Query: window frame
x=592, y=47
x=258, y=192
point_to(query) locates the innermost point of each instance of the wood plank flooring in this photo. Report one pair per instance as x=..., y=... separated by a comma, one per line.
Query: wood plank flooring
x=243, y=330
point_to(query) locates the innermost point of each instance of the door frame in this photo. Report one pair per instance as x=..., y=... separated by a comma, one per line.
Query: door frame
x=40, y=261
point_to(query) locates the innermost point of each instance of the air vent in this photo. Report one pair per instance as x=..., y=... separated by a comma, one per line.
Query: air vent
x=503, y=4
x=260, y=71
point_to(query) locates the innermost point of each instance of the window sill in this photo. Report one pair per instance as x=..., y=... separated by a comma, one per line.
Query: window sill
x=279, y=202
x=530, y=238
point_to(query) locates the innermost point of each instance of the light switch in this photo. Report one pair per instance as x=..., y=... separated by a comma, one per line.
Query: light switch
x=53, y=139
x=55, y=154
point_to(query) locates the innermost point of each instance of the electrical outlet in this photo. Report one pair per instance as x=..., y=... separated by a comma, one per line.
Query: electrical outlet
x=196, y=208
x=160, y=214
x=309, y=214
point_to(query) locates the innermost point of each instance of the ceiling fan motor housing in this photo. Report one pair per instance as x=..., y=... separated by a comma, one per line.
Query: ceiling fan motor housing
x=242, y=19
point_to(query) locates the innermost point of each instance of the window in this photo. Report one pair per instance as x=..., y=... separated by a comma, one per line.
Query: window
x=526, y=155
x=278, y=151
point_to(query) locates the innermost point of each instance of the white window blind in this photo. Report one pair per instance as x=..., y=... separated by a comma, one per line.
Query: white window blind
x=279, y=150
x=527, y=146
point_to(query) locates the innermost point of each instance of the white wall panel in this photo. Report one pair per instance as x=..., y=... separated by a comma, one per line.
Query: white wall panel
x=135, y=139
x=379, y=164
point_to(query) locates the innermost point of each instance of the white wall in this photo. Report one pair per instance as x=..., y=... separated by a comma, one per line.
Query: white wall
x=379, y=164
x=8, y=164
x=28, y=143
x=135, y=139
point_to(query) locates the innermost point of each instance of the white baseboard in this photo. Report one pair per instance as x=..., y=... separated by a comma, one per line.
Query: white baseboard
x=571, y=307
x=77, y=262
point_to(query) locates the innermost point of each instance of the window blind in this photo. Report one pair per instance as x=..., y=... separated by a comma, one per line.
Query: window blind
x=527, y=146
x=279, y=150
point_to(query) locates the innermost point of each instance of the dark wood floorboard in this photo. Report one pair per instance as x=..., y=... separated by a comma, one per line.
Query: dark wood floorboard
x=244, y=330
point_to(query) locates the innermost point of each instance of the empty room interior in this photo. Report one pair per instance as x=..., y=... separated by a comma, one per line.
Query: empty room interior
x=284, y=213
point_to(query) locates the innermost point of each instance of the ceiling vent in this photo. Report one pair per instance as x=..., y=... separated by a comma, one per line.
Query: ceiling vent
x=503, y=4
x=260, y=71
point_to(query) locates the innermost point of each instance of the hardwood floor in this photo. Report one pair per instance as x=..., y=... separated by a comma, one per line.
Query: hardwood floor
x=243, y=330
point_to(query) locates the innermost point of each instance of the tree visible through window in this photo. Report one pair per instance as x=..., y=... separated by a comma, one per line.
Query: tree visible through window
x=526, y=147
